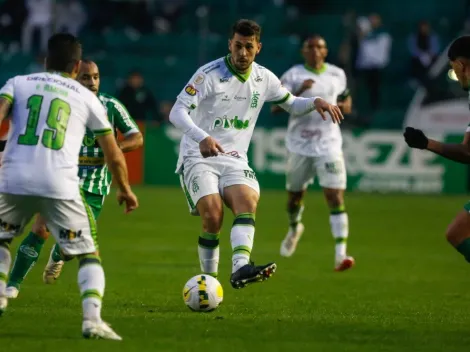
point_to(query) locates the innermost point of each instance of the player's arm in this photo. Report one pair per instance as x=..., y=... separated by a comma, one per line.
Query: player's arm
x=345, y=102
x=299, y=106
x=133, y=138
x=5, y=106
x=455, y=152
x=189, y=99
x=6, y=99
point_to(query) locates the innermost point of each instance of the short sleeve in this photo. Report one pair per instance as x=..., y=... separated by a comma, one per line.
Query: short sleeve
x=195, y=91
x=98, y=121
x=342, y=82
x=123, y=120
x=8, y=90
x=276, y=92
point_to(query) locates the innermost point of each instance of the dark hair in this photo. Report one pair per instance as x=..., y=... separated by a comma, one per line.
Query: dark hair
x=63, y=52
x=88, y=62
x=460, y=47
x=247, y=28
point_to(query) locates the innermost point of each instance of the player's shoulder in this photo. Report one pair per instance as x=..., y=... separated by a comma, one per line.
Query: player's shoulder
x=262, y=71
x=212, y=68
x=334, y=70
x=112, y=102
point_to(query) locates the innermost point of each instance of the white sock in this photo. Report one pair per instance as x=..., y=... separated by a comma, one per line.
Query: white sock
x=340, y=229
x=91, y=282
x=295, y=216
x=241, y=238
x=5, y=262
x=208, y=250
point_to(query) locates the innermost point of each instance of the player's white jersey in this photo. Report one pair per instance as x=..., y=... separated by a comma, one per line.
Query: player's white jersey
x=309, y=135
x=50, y=113
x=226, y=104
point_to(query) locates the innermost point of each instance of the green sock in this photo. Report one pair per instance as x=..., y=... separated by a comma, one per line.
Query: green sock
x=26, y=257
x=464, y=249
x=57, y=254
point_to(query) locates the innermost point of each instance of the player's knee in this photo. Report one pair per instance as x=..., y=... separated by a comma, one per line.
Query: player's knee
x=453, y=236
x=41, y=231
x=334, y=198
x=295, y=200
x=212, y=219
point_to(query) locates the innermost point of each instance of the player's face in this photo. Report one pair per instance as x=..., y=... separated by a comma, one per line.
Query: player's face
x=89, y=76
x=314, y=51
x=462, y=72
x=244, y=51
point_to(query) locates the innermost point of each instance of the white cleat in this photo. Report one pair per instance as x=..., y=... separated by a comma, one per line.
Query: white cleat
x=344, y=263
x=98, y=330
x=52, y=270
x=3, y=304
x=12, y=292
x=289, y=244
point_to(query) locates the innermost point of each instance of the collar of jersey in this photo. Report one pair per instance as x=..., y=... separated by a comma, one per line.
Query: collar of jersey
x=314, y=70
x=242, y=77
x=63, y=74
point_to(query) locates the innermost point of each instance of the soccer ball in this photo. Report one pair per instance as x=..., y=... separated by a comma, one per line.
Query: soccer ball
x=203, y=293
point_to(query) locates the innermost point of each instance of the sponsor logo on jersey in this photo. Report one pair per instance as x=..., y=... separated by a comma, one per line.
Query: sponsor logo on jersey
x=254, y=100
x=190, y=90
x=225, y=98
x=199, y=79
x=228, y=123
x=259, y=79
x=238, y=98
x=224, y=79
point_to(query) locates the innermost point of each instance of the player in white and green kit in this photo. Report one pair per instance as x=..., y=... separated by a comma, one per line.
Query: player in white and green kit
x=217, y=112
x=95, y=182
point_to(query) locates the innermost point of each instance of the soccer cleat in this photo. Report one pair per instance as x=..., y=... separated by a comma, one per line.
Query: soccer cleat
x=3, y=304
x=344, y=263
x=289, y=244
x=12, y=292
x=52, y=270
x=249, y=274
x=98, y=330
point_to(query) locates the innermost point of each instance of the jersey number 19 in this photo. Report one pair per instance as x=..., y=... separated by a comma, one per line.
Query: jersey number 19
x=57, y=120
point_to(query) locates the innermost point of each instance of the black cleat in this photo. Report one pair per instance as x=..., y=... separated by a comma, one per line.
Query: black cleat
x=249, y=274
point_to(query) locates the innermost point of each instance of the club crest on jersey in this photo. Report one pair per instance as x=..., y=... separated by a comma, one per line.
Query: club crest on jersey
x=190, y=90
x=228, y=123
x=199, y=79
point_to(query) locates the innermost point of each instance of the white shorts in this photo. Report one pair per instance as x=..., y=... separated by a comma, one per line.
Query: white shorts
x=301, y=170
x=201, y=177
x=71, y=222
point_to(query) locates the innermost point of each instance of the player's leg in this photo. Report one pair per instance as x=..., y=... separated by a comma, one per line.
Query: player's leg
x=299, y=175
x=57, y=258
x=241, y=195
x=458, y=233
x=200, y=183
x=73, y=226
x=27, y=256
x=15, y=213
x=332, y=178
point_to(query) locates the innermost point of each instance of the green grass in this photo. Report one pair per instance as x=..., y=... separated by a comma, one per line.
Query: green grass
x=408, y=292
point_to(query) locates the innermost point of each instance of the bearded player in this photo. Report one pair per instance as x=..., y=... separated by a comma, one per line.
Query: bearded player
x=217, y=112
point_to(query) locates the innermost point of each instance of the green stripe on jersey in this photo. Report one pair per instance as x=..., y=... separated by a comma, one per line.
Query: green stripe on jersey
x=94, y=174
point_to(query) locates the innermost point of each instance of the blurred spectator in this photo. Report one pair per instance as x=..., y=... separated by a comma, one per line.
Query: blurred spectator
x=139, y=100
x=168, y=14
x=39, y=18
x=373, y=55
x=37, y=66
x=12, y=16
x=70, y=16
x=424, y=49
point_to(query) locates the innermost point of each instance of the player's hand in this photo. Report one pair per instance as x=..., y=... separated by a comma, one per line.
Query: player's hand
x=129, y=198
x=307, y=84
x=415, y=138
x=209, y=147
x=323, y=106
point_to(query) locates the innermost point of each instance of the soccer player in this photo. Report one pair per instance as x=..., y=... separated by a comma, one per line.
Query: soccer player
x=95, y=182
x=217, y=112
x=458, y=232
x=50, y=114
x=315, y=148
